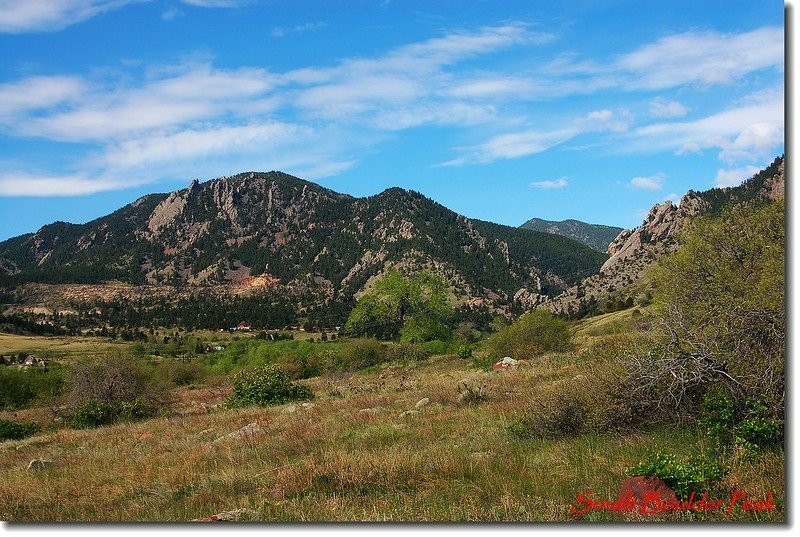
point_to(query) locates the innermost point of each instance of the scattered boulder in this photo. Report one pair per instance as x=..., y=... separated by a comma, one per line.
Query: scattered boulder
x=228, y=516
x=421, y=403
x=39, y=464
x=409, y=413
x=640, y=486
x=506, y=364
x=369, y=411
x=246, y=431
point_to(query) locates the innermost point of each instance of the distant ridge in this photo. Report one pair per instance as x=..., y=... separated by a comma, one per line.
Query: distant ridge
x=595, y=236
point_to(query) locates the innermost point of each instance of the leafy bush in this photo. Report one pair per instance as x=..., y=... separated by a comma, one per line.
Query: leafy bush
x=747, y=423
x=114, y=389
x=92, y=413
x=471, y=394
x=406, y=352
x=358, y=354
x=561, y=417
x=19, y=388
x=180, y=373
x=695, y=475
x=533, y=334
x=266, y=385
x=436, y=347
x=16, y=430
x=720, y=300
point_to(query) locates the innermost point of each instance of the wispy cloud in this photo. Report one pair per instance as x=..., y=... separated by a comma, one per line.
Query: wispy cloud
x=38, y=93
x=45, y=185
x=23, y=16
x=662, y=108
x=734, y=177
x=20, y=16
x=649, y=182
x=750, y=130
x=282, y=31
x=549, y=184
x=196, y=92
x=530, y=142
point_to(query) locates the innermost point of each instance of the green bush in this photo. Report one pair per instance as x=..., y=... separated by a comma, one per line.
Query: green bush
x=561, y=417
x=16, y=430
x=533, y=334
x=406, y=352
x=747, y=423
x=695, y=475
x=266, y=385
x=91, y=413
x=19, y=388
x=358, y=354
x=114, y=389
x=180, y=373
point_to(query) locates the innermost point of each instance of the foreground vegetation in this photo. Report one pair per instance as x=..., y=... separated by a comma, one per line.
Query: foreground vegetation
x=420, y=427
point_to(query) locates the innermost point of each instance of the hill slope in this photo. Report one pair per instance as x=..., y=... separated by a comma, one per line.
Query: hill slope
x=274, y=230
x=596, y=236
x=632, y=252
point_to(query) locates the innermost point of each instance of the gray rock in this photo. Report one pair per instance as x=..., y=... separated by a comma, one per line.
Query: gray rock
x=39, y=464
x=409, y=413
x=246, y=431
x=421, y=403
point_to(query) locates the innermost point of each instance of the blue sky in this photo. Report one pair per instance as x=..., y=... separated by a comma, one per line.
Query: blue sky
x=500, y=110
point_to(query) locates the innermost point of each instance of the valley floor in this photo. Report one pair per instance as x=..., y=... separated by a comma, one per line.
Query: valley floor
x=351, y=456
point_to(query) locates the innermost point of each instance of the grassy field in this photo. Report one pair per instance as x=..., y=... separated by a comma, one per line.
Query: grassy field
x=351, y=456
x=13, y=343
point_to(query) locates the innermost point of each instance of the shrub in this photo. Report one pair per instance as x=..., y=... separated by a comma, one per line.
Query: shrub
x=560, y=417
x=266, y=385
x=92, y=413
x=19, y=388
x=720, y=303
x=180, y=373
x=471, y=394
x=747, y=423
x=113, y=389
x=406, y=352
x=533, y=334
x=695, y=475
x=16, y=430
x=359, y=354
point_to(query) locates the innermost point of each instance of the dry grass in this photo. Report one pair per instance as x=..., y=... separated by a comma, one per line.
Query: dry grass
x=61, y=346
x=331, y=461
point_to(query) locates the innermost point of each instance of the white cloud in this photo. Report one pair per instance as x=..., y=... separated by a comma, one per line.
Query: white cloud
x=171, y=14
x=753, y=129
x=217, y=3
x=521, y=144
x=734, y=177
x=203, y=142
x=650, y=182
x=20, y=16
x=561, y=182
x=44, y=185
x=662, y=108
x=198, y=92
x=705, y=58
x=511, y=146
x=279, y=31
x=37, y=93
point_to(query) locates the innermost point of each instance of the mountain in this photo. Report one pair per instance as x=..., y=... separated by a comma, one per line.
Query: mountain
x=596, y=236
x=632, y=252
x=259, y=232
